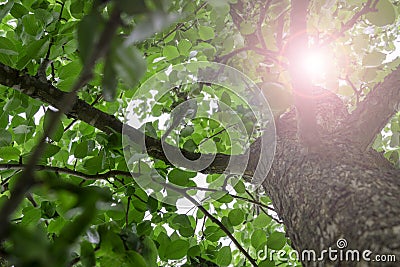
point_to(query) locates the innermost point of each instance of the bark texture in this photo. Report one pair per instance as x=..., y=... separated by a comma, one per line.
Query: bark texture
x=339, y=192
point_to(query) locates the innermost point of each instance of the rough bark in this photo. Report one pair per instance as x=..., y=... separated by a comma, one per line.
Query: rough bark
x=343, y=192
x=375, y=111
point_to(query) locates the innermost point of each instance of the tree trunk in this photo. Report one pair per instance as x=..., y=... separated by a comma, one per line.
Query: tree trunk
x=340, y=193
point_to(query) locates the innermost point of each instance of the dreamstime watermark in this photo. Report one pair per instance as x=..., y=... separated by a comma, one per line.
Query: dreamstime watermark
x=340, y=253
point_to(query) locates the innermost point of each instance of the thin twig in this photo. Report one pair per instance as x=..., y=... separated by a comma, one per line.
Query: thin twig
x=217, y=133
x=262, y=209
x=180, y=25
x=75, y=120
x=253, y=201
x=214, y=220
x=102, y=176
x=356, y=91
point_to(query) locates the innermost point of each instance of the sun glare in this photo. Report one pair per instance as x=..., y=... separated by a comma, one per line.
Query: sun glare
x=315, y=63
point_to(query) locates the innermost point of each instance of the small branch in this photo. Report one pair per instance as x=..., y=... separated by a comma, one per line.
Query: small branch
x=357, y=92
x=102, y=176
x=180, y=25
x=263, y=14
x=253, y=201
x=214, y=220
x=265, y=206
x=236, y=18
x=269, y=54
x=75, y=120
x=217, y=133
x=368, y=7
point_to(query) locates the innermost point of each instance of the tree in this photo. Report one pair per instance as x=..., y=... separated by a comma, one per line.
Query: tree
x=76, y=173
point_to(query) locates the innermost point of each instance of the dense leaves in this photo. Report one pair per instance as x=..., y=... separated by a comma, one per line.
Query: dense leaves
x=81, y=213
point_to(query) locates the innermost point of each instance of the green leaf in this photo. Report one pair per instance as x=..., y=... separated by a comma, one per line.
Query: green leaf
x=81, y=150
x=149, y=252
x=180, y=177
x=34, y=50
x=12, y=104
x=18, y=10
x=177, y=249
x=7, y=47
x=194, y=251
x=94, y=164
x=50, y=150
x=170, y=52
x=240, y=187
x=373, y=59
x=5, y=138
x=258, y=239
x=226, y=99
x=261, y=221
x=181, y=221
x=190, y=145
x=247, y=28
x=187, y=131
x=87, y=258
x=31, y=216
x=224, y=256
x=184, y=46
x=276, y=240
x=236, y=217
x=213, y=233
x=206, y=33
x=71, y=69
x=48, y=209
x=57, y=126
x=44, y=16
x=129, y=64
x=225, y=199
x=32, y=26
x=9, y=153
x=134, y=259
x=56, y=225
x=76, y=8
x=385, y=15
x=5, y=9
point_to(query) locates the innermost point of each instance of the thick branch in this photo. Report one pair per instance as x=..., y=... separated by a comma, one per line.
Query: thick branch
x=375, y=111
x=45, y=92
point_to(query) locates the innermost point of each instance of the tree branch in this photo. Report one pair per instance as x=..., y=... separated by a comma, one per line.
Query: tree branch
x=375, y=111
x=102, y=176
x=368, y=7
x=214, y=220
x=35, y=88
